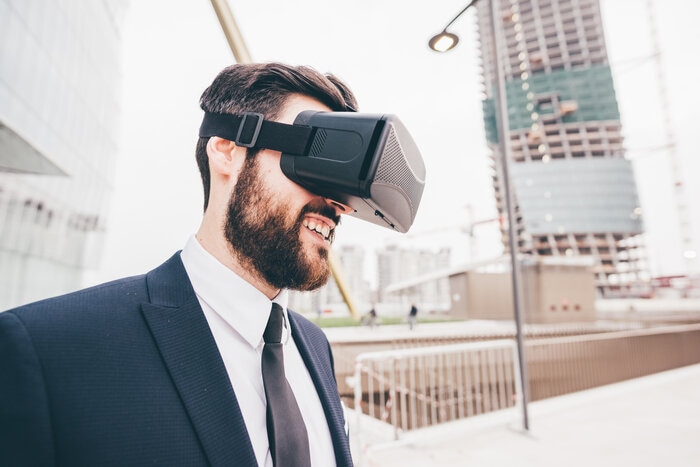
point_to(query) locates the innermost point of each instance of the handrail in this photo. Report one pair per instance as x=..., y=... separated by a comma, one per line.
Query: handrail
x=411, y=388
x=459, y=380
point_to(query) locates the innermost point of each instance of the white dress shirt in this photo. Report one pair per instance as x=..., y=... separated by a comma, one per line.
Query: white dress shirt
x=237, y=314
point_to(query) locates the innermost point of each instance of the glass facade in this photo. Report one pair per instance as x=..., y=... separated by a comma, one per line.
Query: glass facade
x=60, y=83
x=591, y=88
x=577, y=195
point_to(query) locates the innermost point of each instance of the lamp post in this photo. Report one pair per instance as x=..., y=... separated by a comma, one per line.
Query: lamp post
x=443, y=42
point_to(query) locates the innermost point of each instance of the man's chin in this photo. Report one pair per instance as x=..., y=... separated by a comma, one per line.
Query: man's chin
x=315, y=251
x=324, y=253
x=316, y=282
x=319, y=270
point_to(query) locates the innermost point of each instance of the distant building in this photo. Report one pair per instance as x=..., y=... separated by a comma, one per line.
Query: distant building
x=575, y=193
x=60, y=80
x=351, y=259
x=554, y=290
x=394, y=266
x=397, y=265
x=352, y=262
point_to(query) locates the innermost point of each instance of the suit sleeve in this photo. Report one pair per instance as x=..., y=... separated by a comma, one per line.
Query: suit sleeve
x=25, y=431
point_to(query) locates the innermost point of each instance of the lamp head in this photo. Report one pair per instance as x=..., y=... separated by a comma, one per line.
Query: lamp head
x=443, y=42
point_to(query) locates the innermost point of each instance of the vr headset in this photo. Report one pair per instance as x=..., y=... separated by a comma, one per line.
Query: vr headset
x=368, y=164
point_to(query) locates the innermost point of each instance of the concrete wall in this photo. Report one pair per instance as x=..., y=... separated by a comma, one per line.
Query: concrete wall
x=552, y=293
x=489, y=296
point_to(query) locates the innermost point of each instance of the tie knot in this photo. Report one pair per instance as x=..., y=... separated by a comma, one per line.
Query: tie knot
x=273, y=330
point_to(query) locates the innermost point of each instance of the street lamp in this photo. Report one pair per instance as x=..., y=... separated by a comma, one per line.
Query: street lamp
x=443, y=42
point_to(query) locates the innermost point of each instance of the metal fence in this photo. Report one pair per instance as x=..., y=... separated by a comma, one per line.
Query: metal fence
x=418, y=387
x=562, y=365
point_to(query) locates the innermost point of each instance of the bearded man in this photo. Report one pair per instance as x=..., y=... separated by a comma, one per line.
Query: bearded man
x=168, y=368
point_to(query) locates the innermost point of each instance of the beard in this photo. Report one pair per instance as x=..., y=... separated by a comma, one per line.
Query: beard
x=264, y=234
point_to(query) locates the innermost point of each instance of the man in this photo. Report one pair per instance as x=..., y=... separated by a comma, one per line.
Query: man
x=165, y=368
x=412, y=314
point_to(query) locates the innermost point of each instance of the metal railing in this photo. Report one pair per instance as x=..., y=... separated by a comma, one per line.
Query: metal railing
x=420, y=387
x=346, y=351
x=414, y=388
x=563, y=365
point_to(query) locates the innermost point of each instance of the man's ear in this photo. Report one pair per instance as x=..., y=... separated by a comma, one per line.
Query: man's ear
x=225, y=158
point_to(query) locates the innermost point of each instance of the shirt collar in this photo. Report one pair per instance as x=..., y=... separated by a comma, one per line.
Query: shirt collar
x=235, y=300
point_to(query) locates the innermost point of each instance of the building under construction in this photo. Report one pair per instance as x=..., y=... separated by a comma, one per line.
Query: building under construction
x=573, y=190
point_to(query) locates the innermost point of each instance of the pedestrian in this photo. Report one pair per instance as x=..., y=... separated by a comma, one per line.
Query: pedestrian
x=372, y=321
x=412, y=316
x=176, y=366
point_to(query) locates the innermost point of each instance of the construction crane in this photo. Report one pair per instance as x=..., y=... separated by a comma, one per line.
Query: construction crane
x=464, y=225
x=679, y=191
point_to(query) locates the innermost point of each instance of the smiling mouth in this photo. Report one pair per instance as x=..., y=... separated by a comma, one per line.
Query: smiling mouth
x=322, y=229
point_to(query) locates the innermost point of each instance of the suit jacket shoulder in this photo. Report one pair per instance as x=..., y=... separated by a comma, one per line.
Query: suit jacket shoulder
x=125, y=373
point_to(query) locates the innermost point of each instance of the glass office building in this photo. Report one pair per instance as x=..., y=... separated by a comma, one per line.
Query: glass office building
x=60, y=83
x=574, y=191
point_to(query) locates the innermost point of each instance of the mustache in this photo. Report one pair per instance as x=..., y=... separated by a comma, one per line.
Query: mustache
x=321, y=209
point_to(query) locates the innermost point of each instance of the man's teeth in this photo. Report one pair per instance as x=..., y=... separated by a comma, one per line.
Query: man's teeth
x=320, y=227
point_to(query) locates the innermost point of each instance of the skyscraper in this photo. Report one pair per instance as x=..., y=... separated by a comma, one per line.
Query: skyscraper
x=60, y=82
x=574, y=191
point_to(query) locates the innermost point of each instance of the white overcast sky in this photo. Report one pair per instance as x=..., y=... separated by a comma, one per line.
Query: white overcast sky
x=173, y=50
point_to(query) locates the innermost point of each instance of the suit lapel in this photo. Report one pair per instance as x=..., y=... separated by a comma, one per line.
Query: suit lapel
x=321, y=371
x=190, y=353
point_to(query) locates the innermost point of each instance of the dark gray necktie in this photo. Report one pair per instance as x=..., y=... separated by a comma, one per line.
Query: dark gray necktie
x=289, y=442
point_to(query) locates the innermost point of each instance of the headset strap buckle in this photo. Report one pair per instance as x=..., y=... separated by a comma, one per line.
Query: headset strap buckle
x=249, y=129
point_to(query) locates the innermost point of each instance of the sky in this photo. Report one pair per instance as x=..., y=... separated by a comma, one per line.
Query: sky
x=173, y=50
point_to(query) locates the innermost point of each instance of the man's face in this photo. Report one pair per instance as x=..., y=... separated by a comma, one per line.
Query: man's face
x=277, y=227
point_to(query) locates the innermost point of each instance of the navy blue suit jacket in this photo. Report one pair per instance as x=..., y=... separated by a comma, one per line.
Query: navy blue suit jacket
x=127, y=373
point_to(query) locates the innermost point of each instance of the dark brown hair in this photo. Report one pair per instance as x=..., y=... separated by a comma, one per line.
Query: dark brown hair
x=264, y=88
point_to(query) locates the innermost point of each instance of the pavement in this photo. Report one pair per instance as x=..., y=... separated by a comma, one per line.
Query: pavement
x=442, y=330
x=421, y=331
x=651, y=421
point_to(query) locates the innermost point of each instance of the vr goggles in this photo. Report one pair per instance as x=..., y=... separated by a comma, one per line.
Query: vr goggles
x=368, y=163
